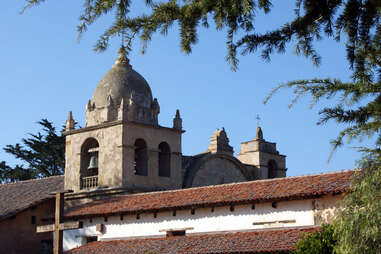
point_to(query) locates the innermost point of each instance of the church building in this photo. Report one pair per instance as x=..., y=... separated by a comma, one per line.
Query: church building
x=130, y=189
x=123, y=148
x=134, y=190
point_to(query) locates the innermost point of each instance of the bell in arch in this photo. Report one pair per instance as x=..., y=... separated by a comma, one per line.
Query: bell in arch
x=93, y=162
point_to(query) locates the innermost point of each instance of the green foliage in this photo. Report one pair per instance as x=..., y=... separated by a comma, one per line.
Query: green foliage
x=357, y=19
x=358, y=228
x=43, y=155
x=358, y=103
x=320, y=242
x=17, y=173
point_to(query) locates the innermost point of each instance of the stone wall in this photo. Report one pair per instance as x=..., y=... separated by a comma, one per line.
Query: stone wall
x=259, y=153
x=109, y=156
x=218, y=171
x=153, y=136
x=326, y=209
x=116, y=162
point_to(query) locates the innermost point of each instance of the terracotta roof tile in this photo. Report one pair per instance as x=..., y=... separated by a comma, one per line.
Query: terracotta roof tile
x=16, y=197
x=238, y=193
x=261, y=241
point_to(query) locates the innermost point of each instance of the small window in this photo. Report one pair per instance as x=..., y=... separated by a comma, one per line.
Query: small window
x=33, y=220
x=90, y=239
x=176, y=233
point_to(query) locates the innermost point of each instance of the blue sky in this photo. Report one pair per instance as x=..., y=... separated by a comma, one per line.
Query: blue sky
x=46, y=72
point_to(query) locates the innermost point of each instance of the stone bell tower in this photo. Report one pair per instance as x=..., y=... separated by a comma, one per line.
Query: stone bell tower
x=122, y=144
x=264, y=156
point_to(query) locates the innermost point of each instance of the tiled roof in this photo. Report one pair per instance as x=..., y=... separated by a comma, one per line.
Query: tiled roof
x=237, y=193
x=16, y=197
x=263, y=241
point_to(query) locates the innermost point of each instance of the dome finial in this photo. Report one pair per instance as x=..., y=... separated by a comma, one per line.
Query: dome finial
x=122, y=57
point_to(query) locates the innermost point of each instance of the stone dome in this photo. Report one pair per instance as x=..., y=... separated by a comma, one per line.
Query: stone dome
x=122, y=82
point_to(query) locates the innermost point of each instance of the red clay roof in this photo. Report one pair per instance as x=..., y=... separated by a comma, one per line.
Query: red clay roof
x=299, y=187
x=264, y=241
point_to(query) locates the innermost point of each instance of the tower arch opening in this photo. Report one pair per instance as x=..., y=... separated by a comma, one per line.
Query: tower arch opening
x=164, y=159
x=272, y=168
x=141, y=157
x=89, y=163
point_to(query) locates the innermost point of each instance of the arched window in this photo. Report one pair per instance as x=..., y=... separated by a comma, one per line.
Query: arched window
x=141, y=157
x=273, y=168
x=89, y=163
x=164, y=160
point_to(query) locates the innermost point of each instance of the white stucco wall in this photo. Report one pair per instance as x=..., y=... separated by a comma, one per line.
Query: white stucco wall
x=295, y=213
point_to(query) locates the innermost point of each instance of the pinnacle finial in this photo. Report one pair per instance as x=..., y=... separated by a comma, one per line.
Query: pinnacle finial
x=177, y=121
x=89, y=107
x=110, y=101
x=70, y=124
x=122, y=56
x=70, y=116
x=259, y=134
x=177, y=113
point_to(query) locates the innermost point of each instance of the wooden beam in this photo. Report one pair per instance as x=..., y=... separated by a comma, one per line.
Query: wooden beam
x=45, y=228
x=273, y=222
x=62, y=226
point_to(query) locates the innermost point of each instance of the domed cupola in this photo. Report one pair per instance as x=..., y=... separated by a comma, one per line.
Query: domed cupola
x=122, y=94
x=122, y=82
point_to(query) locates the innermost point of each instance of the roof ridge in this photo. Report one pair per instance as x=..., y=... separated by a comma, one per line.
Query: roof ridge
x=31, y=180
x=239, y=183
x=300, y=176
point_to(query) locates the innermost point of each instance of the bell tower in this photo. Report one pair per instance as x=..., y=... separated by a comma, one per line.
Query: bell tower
x=264, y=156
x=122, y=144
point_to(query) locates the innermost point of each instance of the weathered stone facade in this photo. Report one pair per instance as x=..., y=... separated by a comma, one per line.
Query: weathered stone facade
x=327, y=208
x=123, y=146
x=219, y=143
x=264, y=156
x=116, y=156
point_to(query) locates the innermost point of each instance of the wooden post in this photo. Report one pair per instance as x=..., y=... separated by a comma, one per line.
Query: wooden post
x=58, y=227
x=58, y=234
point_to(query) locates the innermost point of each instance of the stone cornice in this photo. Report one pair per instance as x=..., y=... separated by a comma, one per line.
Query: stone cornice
x=118, y=122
